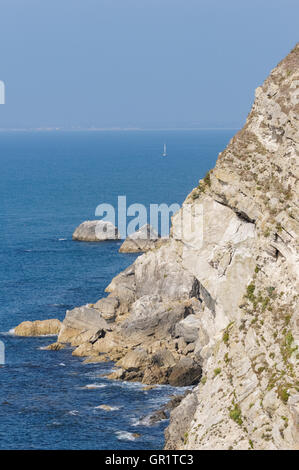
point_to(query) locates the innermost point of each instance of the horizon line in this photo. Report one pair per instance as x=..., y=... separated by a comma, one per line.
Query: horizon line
x=112, y=129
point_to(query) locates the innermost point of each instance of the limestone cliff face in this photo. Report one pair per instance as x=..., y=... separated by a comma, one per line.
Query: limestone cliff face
x=218, y=301
x=248, y=269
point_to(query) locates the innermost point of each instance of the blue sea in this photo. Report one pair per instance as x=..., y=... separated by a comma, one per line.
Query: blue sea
x=50, y=182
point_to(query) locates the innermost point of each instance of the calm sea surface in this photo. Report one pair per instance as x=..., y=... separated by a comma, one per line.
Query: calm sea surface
x=49, y=183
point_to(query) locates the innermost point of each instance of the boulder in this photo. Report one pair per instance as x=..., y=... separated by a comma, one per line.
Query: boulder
x=185, y=372
x=107, y=307
x=38, y=328
x=134, y=359
x=151, y=315
x=84, y=349
x=84, y=321
x=188, y=328
x=84, y=318
x=163, y=358
x=95, y=231
x=90, y=336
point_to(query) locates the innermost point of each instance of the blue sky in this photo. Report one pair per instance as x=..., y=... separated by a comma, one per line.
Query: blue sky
x=138, y=63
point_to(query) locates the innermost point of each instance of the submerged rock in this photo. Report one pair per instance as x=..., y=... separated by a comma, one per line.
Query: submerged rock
x=95, y=231
x=38, y=328
x=55, y=347
x=106, y=407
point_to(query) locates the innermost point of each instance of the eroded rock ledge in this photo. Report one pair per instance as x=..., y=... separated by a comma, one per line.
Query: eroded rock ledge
x=144, y=239
x=153, y=338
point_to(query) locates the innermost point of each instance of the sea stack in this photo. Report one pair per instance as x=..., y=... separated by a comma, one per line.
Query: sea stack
x=95, y=231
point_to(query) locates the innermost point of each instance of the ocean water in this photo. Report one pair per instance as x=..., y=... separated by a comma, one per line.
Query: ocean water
x=49, y=183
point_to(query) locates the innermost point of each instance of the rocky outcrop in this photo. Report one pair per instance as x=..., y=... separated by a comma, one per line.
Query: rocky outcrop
x=146, y=238
x=95, y=231
x=38, y=328
x=216, y=305
x=248, y=397
x=176, y=434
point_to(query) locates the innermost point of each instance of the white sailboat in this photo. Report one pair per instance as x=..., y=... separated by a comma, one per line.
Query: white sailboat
x=164, y=154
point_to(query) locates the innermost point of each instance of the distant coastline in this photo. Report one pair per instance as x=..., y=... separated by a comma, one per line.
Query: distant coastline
x=118, y=129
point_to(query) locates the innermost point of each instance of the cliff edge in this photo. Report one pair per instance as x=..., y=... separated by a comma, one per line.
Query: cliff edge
x=248, y=397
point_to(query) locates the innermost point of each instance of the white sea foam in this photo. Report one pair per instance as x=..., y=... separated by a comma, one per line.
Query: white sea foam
x=11, y=332
x=158, y=401
x=73, y=412
x=62, y=364
x=125, y=436
x=54, y=423
x=92, y=386
x=145, y=421
x=132, y=385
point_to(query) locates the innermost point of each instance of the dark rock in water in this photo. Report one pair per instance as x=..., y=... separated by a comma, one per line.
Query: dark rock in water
x=158, y=416
x=176, y=400
x=163, y=413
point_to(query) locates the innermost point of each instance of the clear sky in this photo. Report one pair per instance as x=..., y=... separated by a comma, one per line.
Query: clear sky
x=138, y=63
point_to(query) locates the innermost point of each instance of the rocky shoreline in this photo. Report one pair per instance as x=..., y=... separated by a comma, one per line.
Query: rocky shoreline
x=216, y=305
